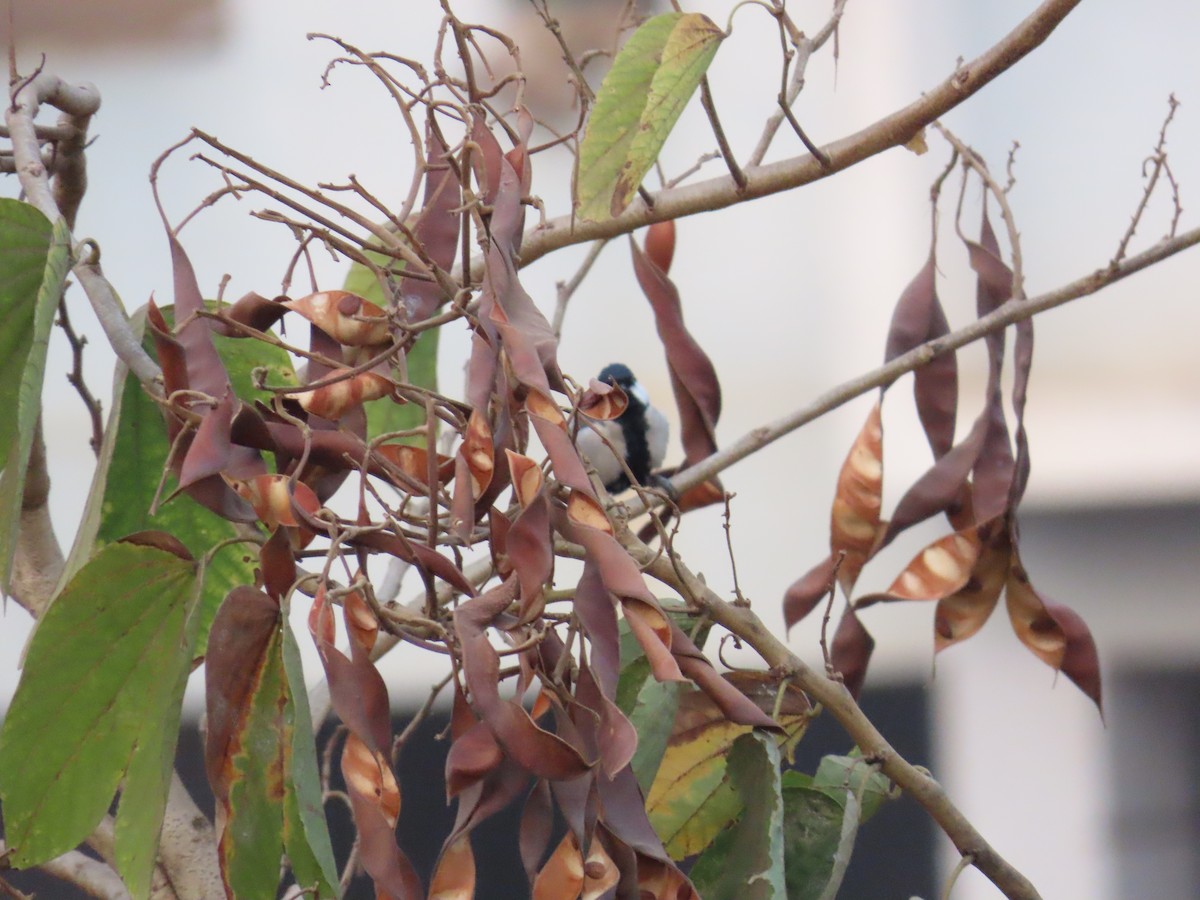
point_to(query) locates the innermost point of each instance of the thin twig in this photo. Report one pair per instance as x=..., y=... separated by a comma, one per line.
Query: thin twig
x=737, y=590
x=710, y=109
x=76, y=380
x=1157, y=161
x=830, y=671
x=790, y=88
x=975, y=163
x=566, y=289
x=964, y=862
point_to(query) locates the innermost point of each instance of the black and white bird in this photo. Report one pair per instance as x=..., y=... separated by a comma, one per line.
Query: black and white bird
x=639, y=435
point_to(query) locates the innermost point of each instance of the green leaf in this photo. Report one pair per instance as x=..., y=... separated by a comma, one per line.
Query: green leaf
x=854, y=774
x=131, y=465
x=305, y=831
x=253, y=835
x=642, y=97
x=650, y=705
x=34, y=258
x=98, y=702
x=812, y=827
x=386, y=415
x=747, y=861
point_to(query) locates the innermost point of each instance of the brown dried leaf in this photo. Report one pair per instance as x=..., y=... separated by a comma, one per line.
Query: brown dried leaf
x=276, y=502
x=526, y=477
x=657, y=880
x=347, y=318
x=478, y=453
x=917, y=318
x=602, y=401
x=539, y=751
x=241, y=633
x=1032, y=622
x=806, y=591
x=693, y=376
x=437, y=225
x=854, y=522
x=160, y=540
x=585, y=511
x=1081, y=661
x=660, y=244
x=336, y=399
x=851, y=651
x=961, y=614
x=251, y=309
x=600, y=873
x=414, y=462
x=940, y=569
x=361, y=623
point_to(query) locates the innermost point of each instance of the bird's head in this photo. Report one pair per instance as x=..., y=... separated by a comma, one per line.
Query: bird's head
x=622, y=376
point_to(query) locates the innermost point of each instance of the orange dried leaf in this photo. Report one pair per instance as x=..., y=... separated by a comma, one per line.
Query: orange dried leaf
x=332, y=401
x=544, y=407
x=272, y=496
x=940, y=569
x=660, y=244
x=561, y=878
x=414, y=462
x=454, y=878
x=542, y=704
x=369, y=776
x=603, y=401
x=961, y=614
x=526, y=477
x=360, y=620
x=1031, y=620
x=584, y=510
x=706, y=493
x=854, y=522
x=347, y=318
x=478, y=452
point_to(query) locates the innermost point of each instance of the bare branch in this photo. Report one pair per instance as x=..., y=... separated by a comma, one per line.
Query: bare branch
x=790, y=88
x=1010, y=312
x=1158, y=164
x=975, y=163
x=710, y=109
x=92, y=876
x=891, y=131
x=79, y=101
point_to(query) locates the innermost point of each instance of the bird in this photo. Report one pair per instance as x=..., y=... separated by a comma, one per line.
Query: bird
x=639, y=435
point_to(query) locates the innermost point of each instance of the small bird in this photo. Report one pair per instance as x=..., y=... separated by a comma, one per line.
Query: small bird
x=639, y=435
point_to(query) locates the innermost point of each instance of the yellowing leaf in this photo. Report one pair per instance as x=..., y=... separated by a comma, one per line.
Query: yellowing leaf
x=650, y=82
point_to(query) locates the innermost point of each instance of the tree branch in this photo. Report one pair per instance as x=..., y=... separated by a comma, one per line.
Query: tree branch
x=92, y=876
x=80, y=101
x=743, y=622
x=1011, y=312
x=891, y=131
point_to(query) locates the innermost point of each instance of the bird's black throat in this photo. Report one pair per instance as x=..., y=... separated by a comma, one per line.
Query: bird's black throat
x=637, y=447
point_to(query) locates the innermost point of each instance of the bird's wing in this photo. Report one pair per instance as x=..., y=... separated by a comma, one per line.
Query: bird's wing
x=598, y=453
x=657, y=432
